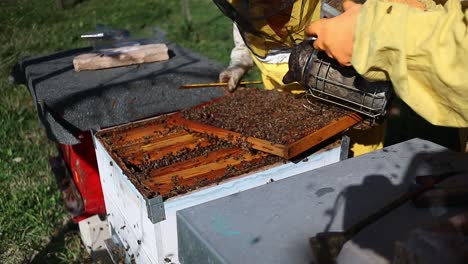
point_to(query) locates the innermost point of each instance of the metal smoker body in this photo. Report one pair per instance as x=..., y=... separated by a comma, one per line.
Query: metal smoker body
x=327, y=80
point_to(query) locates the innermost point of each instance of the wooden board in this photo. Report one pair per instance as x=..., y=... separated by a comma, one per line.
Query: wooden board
x=285, y=151
x=123, y=56
x=140, y=148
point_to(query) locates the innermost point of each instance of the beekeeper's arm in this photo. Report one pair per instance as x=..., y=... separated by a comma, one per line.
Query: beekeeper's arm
x=424, y=54
x=241, y=62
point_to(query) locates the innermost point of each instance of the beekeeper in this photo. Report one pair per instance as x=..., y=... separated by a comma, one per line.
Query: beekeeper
x=418, y=45
x=422, y=50
x=264, y=32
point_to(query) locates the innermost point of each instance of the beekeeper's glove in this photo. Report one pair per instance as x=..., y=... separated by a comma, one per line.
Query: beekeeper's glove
x=241, y=62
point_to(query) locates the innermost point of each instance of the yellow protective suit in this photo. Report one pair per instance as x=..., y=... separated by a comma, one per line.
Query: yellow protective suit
x=272, y=74
x=424, y=54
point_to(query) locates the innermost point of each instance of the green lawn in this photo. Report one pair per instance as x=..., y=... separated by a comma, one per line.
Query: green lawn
x=31, y=210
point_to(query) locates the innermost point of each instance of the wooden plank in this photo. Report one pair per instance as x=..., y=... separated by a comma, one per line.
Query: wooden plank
x=162, y=142
x=211, y=170
x=157, y=154
x=212, y=174
x=196, y=162
x=191, y=183
x=321, y=135
x=123, y=56
x=259, y=144
x=204, y=169
x=128, y=140
x=135, y=132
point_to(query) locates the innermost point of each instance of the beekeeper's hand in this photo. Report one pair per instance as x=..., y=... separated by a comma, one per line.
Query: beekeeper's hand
x=241, y=62
x=233, y=75
x=335, y=35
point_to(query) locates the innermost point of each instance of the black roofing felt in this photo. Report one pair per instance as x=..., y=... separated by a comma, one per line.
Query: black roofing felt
x=69, y=102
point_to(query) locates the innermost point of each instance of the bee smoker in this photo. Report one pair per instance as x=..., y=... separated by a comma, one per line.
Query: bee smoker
x=328, y=81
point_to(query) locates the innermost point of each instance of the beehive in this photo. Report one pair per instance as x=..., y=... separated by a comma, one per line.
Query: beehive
x=161, y=158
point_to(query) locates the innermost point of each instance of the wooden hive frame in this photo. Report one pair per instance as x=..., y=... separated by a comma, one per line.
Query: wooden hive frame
x=139, y=143
x=286, y=151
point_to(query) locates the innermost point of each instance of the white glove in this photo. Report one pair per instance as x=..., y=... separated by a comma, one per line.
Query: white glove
x=232, y=75
x=241, y=62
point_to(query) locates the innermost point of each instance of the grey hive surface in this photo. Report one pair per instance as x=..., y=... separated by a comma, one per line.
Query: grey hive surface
x=273, y=223
x=69, y=102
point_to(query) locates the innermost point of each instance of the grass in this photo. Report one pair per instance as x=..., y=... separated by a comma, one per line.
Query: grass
x=31, y=210
x=28, y=200
x=30, y=205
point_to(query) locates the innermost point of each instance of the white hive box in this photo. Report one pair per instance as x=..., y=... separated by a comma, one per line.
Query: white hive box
x=146, y=228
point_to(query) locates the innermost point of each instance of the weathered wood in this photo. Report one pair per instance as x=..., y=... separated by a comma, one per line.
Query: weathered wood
x=196, y=162
x=159, y=153
x=138, y=132
x=197, y=171
x=201, y=166
x=167, y=141
x=123, y=56
x=214, y=174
